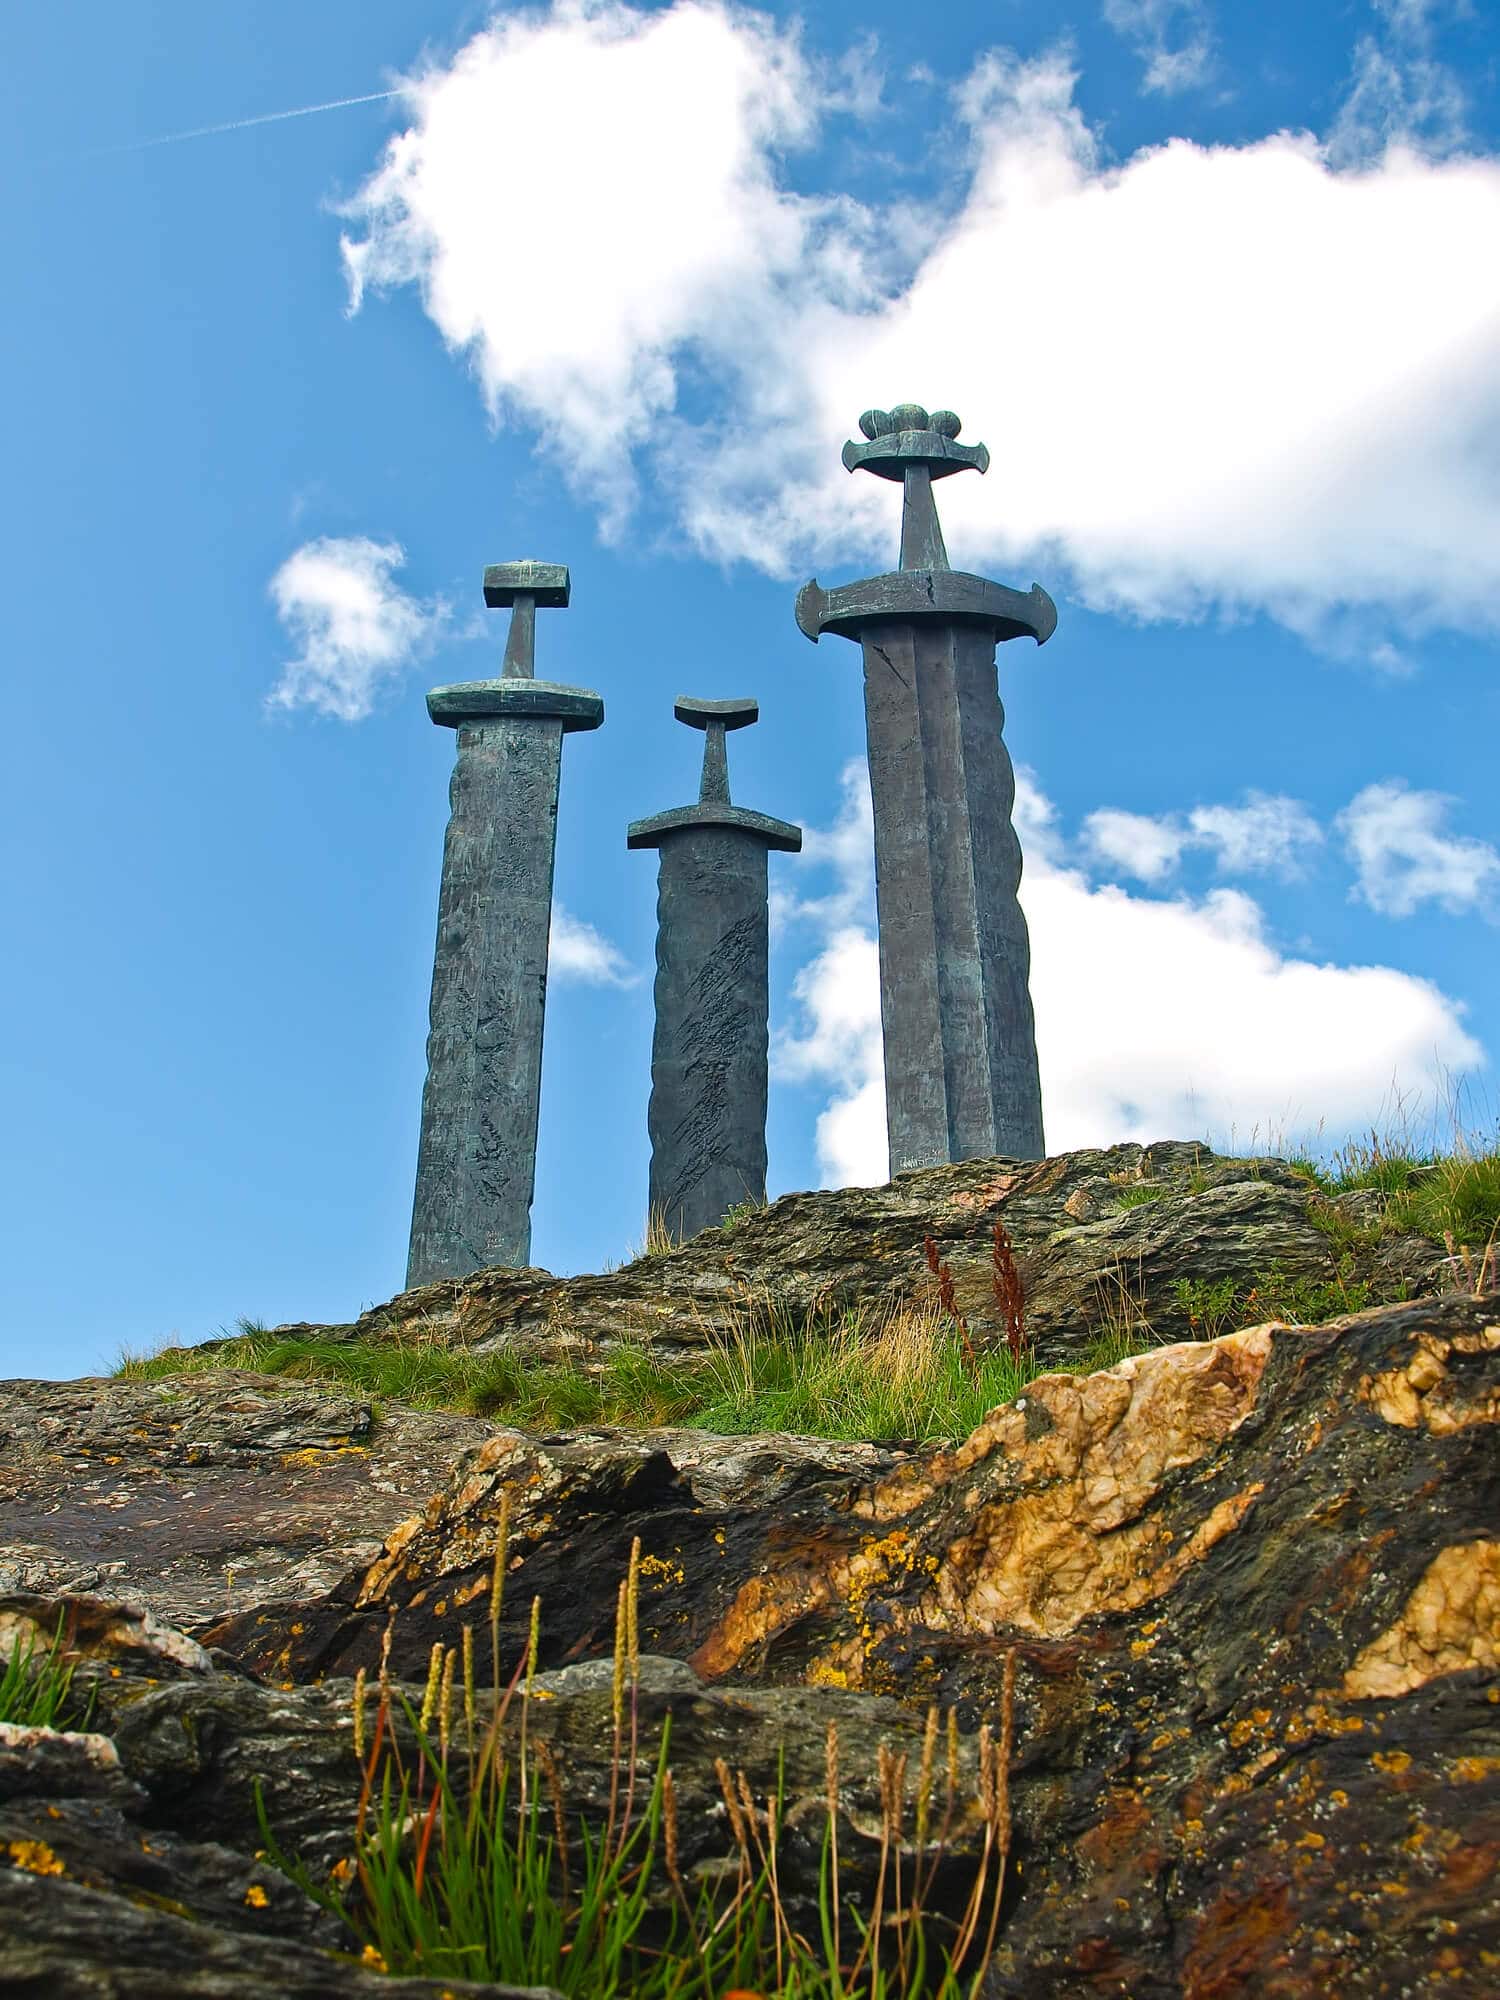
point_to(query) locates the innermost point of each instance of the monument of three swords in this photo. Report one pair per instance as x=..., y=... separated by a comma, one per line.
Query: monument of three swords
x=959, y=1038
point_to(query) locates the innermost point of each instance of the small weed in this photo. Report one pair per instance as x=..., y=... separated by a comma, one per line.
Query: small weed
x=659, y=1240
x=1210, y=1306
x=1346, y=1232
x=1457, y=1196
x=1374, y=1163
x=1310, y=1301
x=947, y=1297
x=1124, y=1325
x=1482, y=1273
x=1276, y=1294
x=35, y=1688
x=1010, y=1299
x=741, y=1212
x=1140, y=1192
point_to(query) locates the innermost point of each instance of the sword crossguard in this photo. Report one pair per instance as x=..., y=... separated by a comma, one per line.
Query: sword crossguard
x=909, y=444
x=546, y=584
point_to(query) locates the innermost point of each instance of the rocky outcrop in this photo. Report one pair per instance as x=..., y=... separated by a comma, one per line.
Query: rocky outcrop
x=133, y=1852
x=1250, y=1586
x=1252, y=1589
x=112, y=1887
x=1092, y=1253
x=207, y=1492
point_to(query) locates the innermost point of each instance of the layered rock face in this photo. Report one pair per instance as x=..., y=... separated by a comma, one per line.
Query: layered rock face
x=201, y=1492
x=1251, y=1587
x=1088, y=1260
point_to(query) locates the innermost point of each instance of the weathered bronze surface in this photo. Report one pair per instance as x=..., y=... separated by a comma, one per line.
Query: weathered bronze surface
x=707, y=1115
x=476, y=1160
x=961, y=1075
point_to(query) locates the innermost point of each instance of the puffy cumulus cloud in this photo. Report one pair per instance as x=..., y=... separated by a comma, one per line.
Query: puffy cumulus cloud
x=1171, y=37
x=1264, y=836
x=354, y=628
x=1156, y=1019
x=580, y=955
x=1202, y=388
x=1404, y=858
x=1172, y=1018
x=838, y=1043
x=576, y=278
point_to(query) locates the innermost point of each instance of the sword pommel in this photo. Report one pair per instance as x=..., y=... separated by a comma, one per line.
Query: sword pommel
x=908, y=436
x=547, y=584
x=703, y=714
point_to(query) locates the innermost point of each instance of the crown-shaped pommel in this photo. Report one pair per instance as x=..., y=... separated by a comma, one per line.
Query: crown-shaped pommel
x=908, y=435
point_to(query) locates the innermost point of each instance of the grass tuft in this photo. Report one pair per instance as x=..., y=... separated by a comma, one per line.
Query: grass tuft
x=467, y=1861
x=1142, y=1192
x=907, y=1372
x=36, y=1688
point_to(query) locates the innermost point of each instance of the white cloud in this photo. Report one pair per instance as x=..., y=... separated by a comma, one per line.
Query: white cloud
x=837, y=992
x=1261, y=837
x=1135, y=843
x=844, y=853
x=1171, y=37
x=1396, y=841
x=1155, y=1019
x=1264, y=836
x=629, y=251
x=1399, y=94
x=859, y=80
x=355, y=629
x=1203, y=389
x=579, y=955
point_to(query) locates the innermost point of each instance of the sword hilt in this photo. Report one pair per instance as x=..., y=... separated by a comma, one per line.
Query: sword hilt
x=714, y=718
x=524, y=586
x=909, y=444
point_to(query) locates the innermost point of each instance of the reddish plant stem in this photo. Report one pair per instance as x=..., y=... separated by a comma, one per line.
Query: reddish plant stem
x=1010, y=1300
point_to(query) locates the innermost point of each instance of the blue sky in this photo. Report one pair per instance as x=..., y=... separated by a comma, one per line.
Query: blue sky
x=609, y=286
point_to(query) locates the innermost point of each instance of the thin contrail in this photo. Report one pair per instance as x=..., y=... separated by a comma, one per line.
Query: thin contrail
x=240, y=124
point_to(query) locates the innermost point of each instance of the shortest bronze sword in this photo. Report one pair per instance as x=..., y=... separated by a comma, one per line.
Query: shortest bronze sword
x=709, y=1053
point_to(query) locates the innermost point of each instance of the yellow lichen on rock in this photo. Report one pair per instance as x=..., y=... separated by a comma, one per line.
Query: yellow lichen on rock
x=1451, y=1622
x=35, y=1856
